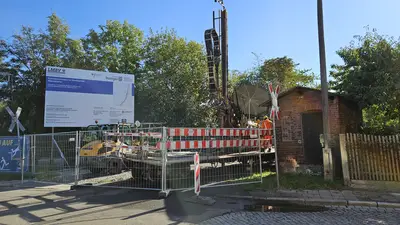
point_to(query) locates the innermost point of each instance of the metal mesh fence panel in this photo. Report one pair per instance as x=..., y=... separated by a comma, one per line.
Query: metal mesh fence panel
x=53, y=157
x=151, y=158
x=227, y=156
x=125, y=159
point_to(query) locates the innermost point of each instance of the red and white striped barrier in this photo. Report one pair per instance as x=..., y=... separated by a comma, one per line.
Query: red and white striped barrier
x=202, y=132
x=184, y=145
x=265, y=134
x=197, y=174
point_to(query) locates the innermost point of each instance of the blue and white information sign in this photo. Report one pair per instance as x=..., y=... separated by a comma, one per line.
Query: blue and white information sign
x=10, y=154
x=77, y=98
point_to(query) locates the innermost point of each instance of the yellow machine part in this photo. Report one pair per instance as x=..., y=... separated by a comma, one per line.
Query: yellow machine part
x=93, y=148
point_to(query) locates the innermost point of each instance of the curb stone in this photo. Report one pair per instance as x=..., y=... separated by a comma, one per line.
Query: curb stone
x=281, y=199
x=388, y=205
x=11, y=183
x=313, y=201
x=318, y=201
x=28, y=184
x=362, y=203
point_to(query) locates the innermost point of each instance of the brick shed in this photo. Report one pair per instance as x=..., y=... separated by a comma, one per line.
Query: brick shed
x=300, y=126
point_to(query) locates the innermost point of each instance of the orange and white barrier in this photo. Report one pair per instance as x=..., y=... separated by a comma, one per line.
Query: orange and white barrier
x=256, y=134
x=184, y=145
x=197, y=174
x=203, y=132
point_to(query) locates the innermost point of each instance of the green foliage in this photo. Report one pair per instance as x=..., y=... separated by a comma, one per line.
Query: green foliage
x=370, y=76
x=115, y=48
x=172, y=85
x=28, y=54
x=282, y=70
x=171, y=73
x=370, y=70
x=377, y=122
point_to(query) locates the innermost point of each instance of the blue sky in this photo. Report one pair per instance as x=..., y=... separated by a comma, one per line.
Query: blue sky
x=271, y=28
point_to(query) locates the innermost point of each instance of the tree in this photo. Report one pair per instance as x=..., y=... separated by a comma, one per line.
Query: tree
x=115, y=48
x=171, y=79
x=5, y=92
x=377, y=121
x=172, y=85
x=282, y=70
x=370, y=76
x=28, y=54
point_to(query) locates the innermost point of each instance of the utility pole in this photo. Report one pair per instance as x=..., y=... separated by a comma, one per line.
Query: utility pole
x=327, y=153
x=224, y=60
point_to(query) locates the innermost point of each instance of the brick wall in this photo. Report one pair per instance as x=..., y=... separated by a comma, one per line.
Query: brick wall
x=292, y=106
x=344, y=115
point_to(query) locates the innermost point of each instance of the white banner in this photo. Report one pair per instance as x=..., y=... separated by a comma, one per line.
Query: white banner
x=77, y=98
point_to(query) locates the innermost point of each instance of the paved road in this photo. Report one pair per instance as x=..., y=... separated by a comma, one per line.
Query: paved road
x=342, y=216
x=58, y=205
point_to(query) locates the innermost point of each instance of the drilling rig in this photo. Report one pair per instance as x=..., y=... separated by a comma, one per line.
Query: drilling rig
x=217, y=54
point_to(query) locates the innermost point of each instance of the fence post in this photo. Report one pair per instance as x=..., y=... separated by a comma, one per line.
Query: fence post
x=164, y=192
x=345, y=161
x=23, y=160
x=34, y=154
x=77, y=159
x=276, y=154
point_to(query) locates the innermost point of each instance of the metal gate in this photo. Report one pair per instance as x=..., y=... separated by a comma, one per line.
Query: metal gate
x=54, y=158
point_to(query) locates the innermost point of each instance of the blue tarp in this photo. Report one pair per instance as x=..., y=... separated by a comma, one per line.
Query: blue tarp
x=10, y=154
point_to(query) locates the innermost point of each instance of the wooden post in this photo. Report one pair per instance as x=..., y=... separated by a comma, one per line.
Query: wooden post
x=367, y=158
x=350, y=155
x=345, y=161
x=371, y=157
x=381, y=161
x=397, y=154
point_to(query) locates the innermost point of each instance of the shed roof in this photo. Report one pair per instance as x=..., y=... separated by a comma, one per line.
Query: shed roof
x=293, y=89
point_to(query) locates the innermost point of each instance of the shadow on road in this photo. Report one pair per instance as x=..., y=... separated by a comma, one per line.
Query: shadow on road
x=92, y=203
x=95, y=204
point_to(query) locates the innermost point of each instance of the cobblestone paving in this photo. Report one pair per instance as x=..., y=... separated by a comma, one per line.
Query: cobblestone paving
x=345, y=216
x=350, y=195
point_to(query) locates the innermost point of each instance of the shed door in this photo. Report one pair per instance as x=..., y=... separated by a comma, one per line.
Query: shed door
x=312, y=128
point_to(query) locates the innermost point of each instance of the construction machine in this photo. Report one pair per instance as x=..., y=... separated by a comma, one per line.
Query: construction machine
x=101, y=153
x=238, y=109
x=246, y=98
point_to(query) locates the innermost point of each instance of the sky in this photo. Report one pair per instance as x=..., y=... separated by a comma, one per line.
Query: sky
x=269, y=28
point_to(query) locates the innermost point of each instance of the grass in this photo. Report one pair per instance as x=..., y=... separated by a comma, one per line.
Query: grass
x=292, y=181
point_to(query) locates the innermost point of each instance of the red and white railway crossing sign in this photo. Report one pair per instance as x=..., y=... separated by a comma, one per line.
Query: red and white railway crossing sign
x=274, y=99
